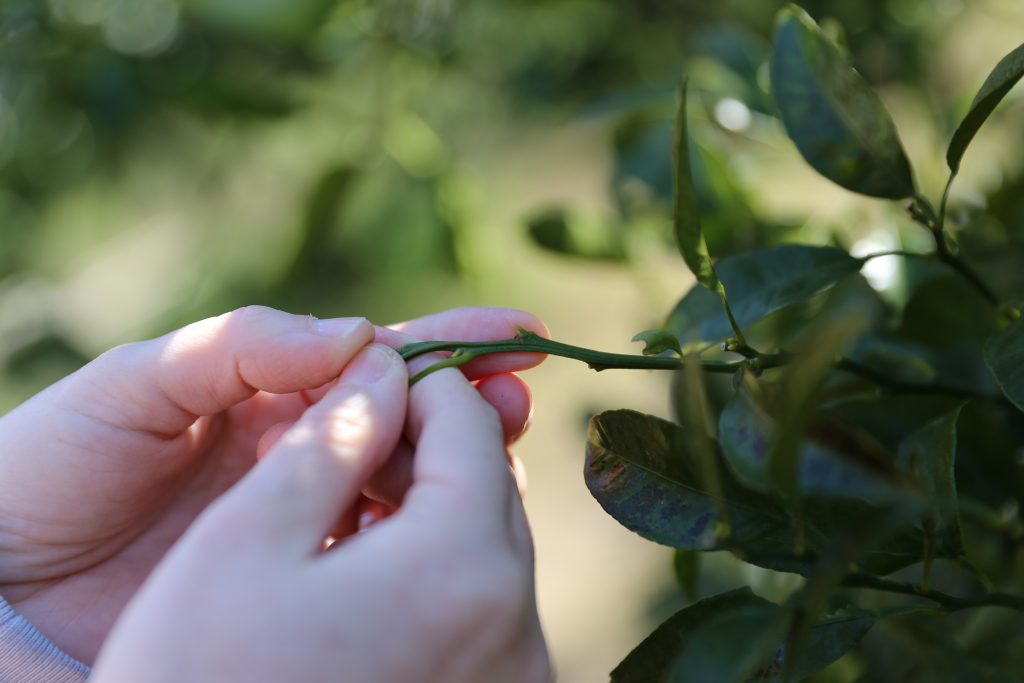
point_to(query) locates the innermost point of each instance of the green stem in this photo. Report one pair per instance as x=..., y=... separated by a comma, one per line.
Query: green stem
x=598, y=360
x=923, y=213
x=897, y=387
x=741, y=341
x=532, y=343
x=942, y=203
x=948, y=602
x=965, y=271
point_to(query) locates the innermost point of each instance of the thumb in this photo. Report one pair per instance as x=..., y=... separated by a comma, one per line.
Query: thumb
x=294, y=496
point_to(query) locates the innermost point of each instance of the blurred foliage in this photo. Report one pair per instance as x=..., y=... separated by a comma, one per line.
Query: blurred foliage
x=164, y=160
x=798, y=481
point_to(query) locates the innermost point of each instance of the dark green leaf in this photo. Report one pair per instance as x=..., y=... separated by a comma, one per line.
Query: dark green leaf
x=900, y=360
x=844, y=319
x=827, y=466
x=734, y=645
x=1004, y=355
x=829, y=639
x=736, y=637
x=640, y=469
x=657, y=341
x=759, y=283
x=836, y=120
x=1002, y=79
x=951, y=321
x=689, y=236
x=929, y=455
x=652, y=660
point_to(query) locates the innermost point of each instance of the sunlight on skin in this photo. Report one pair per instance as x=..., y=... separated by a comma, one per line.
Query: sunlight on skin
x=344, y=433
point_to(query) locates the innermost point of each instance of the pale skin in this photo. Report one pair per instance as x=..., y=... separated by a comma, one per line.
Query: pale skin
x=147, y=458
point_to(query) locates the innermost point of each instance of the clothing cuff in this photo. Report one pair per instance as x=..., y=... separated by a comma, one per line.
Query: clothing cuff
x=26, y=656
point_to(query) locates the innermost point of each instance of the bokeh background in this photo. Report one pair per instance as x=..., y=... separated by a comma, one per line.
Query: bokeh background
x=167, y=160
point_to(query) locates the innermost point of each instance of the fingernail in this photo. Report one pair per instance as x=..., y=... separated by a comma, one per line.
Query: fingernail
x=369, y=366
x=337, y=327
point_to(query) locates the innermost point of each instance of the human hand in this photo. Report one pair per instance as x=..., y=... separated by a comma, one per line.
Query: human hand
x=102, y=472
x=442, y=590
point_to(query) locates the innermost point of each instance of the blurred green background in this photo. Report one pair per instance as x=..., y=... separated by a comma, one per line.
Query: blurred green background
x=167, y=160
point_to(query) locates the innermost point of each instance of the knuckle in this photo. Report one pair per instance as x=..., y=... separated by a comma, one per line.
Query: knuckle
x=118, y=356
x=94, y=376
x=248, y=322
x=249, y=315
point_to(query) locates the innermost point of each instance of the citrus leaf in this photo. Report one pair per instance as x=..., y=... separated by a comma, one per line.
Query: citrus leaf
x=929, y=454
x=733, y=646
x=999, y=82
x=689, y=236
x=825, y=468
x=1004, y=355
x=736, y=637
x=641, y=471
x=653, y=658
x=657, y=341
x=836, y=120
x=901, y=360
x=760, y=283
x=830, y=638
x=843, y=320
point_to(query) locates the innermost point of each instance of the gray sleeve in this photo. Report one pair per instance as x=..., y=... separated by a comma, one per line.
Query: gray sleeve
x=26, y=656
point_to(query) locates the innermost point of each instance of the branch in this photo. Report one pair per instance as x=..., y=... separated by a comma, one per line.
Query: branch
x=923, y=213
x=534, y=343
x=948, y=602
x=531, y=342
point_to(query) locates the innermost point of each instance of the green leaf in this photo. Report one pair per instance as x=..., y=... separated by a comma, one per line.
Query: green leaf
x=929, y=454
x=760, y=283
x=836, y=120
x=828, y=464
x=736, y=637
x=689, y=236
x=951, y=322
x=999, y=82
x=830, y=638
x=842, y=321
x=1004, y=355
x=652, y=660
x=657, y=341
x=733, y=646
x=640, y=469
x=899, y=359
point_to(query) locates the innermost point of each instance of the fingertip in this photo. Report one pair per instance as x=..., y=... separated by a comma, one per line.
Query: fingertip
x=511, y=397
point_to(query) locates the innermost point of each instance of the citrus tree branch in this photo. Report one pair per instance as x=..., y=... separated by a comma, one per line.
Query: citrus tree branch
x=948, y=602
x=530, y=342
x=923, y=213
